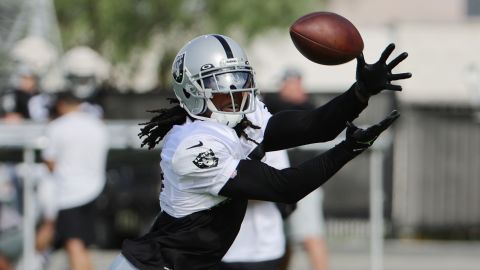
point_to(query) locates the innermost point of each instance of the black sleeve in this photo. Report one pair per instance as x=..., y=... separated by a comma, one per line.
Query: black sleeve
x=258, y=181
x=289, y=129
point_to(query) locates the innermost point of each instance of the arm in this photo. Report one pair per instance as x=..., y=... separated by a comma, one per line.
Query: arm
x=319, y=125
x=50, y=152
x=326, y=122
x=256, y=180
x=50, y=165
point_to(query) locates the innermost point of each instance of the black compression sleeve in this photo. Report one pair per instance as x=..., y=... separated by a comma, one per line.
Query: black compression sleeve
x=258, y=181
x=289, y=129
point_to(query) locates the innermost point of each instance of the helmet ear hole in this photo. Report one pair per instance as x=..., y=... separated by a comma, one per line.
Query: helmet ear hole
x=187, y=95
x=200, y=106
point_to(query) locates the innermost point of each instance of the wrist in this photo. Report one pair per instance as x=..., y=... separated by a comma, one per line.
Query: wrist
x=350, y=147
x=361, y=92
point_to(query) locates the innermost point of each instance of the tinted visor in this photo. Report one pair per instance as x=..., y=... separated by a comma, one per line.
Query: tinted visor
x=80, y=80
x=229, y=81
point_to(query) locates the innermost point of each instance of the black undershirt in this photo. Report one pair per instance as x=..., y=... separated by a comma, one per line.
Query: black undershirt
x=286, y=129
x=258, y=181
x=200, y=240
x=195, y=242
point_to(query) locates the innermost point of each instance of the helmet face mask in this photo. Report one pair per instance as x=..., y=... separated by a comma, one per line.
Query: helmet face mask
x=82, y=86
x=214, y=65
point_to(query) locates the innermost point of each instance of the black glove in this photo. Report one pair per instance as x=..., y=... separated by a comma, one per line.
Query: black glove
x=373, y=78
x=360, y=139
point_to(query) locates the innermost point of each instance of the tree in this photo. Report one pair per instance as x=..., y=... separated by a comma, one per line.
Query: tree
x=119, y=28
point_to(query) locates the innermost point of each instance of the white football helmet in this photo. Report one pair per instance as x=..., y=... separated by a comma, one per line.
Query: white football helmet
x=209, y=65
x=84, y=70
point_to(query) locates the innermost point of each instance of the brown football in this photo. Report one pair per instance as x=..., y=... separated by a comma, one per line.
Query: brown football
x=326, y=38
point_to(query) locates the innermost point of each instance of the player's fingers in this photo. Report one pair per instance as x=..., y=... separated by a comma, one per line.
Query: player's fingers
x=399, y=76
x=361, y=59
x=351, y=128
x=393, y=87
x=386, y=53
x=397, y=60
x=385, y=123
x=377, y=129
x=392, y=115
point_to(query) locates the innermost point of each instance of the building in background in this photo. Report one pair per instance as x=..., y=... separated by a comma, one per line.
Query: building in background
x=433, y=188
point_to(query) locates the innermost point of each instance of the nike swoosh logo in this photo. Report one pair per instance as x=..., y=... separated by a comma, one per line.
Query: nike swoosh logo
x=196, y=145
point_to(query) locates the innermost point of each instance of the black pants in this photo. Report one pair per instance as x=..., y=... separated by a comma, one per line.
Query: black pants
x=264, y=265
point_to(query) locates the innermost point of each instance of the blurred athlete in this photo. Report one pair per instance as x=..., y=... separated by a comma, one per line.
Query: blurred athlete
x=76, y=155
x=260, y=243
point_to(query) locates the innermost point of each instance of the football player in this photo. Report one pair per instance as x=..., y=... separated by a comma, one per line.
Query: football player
x=214, y=142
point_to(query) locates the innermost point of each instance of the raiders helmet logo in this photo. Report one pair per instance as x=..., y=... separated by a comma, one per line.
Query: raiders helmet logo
x=206, y=160
x=178, y=68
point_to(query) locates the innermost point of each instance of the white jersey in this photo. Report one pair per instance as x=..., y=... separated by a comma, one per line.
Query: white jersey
x=78, y=146
x=261, y=236
x=199, y=157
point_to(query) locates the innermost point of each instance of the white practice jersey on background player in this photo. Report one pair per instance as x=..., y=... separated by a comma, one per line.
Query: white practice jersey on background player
x=261, y=236
x=78, y=145
x=199, y=157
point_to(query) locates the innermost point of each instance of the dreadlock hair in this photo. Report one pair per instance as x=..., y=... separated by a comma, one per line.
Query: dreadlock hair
x=160, y=124
x=240, y=129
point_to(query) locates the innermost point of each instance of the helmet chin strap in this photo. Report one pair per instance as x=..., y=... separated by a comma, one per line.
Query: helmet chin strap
x=228, y=119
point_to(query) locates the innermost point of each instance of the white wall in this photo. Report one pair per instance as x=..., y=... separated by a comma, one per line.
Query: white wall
x=440, y=57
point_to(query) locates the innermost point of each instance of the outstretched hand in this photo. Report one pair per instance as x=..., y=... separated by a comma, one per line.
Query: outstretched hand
x=373, y=78
x=360, y=139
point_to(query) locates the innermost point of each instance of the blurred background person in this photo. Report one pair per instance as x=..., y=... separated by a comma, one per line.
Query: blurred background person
x=291, y=94
x=85, y=72
x=10, y=220
x=26, y=96
x=260, y=243
x=305, y=226
x=76, y=155
x=16, y=102
x=11, y=200
x=24, y=101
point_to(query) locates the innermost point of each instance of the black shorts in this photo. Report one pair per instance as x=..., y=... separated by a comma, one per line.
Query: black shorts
x=77, y=222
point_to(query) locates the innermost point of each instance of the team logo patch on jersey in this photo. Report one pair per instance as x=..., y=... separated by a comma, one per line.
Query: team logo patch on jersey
x=206, y=160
